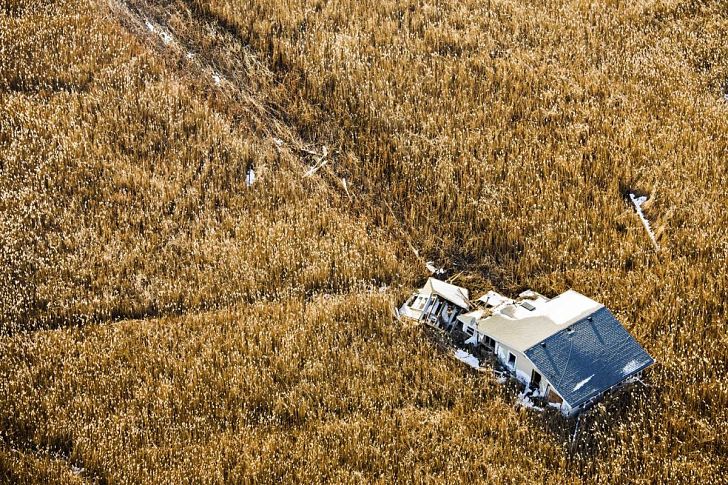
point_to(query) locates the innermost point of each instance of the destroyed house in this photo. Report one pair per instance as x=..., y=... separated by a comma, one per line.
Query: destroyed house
x=569, y=350
x=438, y=303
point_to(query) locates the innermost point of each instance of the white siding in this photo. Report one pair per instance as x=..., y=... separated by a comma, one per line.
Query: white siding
x=524, y=367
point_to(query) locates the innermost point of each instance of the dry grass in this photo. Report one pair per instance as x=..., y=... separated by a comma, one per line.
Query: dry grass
x=126, y=196
x=502, y=135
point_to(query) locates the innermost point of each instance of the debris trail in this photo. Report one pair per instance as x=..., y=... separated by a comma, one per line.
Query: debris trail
x=637, y=202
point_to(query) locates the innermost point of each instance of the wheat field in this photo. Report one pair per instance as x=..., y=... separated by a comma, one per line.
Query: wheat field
x=165, y=318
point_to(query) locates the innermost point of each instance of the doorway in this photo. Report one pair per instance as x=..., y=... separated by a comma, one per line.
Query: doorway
x=535, y=379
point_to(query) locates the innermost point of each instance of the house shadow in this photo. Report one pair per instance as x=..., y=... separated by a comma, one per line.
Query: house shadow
x=580, y=435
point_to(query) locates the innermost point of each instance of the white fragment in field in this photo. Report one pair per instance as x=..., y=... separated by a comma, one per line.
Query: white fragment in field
x=250, y=177
x=346, y=187
x=190, y=55
x=166, y=37
x=315, y=168
x=582, y=383
x=630, y=367
x=467, y=358
x=638, y=202
x=76, y=470
x=278, y=142
x=216, y=79
x=430, y=265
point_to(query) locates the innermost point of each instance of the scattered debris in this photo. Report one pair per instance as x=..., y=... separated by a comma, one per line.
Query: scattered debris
x=467, y=358
x=346, y=188
x=430, y=265
x=216, y=78
x=315, y=168
x=524, y=400
x=453, y=278
x=638, y=202
x=166, y=37
x=278, y=142
x=190, y=55
x=315, y=154
x=250, y=177
x=319, y=163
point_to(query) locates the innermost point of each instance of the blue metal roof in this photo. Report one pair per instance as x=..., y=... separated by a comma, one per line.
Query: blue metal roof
x=590, y=356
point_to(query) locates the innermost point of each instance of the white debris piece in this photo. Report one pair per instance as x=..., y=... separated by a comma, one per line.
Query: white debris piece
x=315, y=168
x=581, y=384
x=250, y=177
x=346, y=187
x=166, y=37
x=278, y=142
x=408, y=312
x=467, y=358
x=493, y=299
x=630, y=367
x=190, y=55
x=638, y=202
x=525, y=401
x=430, y=265
x=216, y=79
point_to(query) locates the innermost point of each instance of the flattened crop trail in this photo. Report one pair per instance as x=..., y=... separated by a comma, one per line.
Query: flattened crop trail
x=202, y=52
